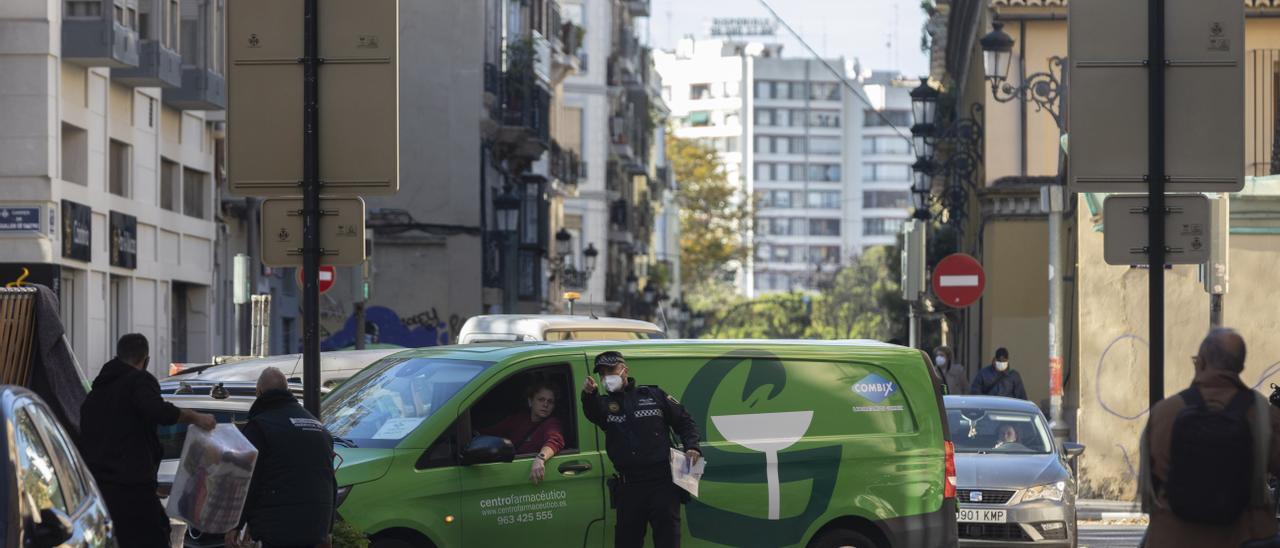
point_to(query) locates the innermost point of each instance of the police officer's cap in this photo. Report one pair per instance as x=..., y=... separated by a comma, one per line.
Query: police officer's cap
x=609, y=360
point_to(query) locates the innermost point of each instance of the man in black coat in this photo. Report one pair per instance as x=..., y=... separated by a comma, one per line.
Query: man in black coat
x=998, y=379
x=637, y=422
x=292, y=492
x=118, y=439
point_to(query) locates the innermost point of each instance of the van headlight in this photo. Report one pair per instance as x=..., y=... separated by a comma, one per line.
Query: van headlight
x=1051, y=491
x=342, y=495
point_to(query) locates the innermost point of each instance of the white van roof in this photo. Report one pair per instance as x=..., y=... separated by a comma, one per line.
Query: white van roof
x=538, y=323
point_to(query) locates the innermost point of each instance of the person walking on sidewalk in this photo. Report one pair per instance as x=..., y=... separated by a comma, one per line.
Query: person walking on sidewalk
x=121, y=446
x=998, y=379
x=951, y=373
x=291, y=495
x=1204, y=456
x=637, y=423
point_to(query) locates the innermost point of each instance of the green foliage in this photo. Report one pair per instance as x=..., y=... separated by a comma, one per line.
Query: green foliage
x=714, y=216
x=775, y=316
x=346, y=535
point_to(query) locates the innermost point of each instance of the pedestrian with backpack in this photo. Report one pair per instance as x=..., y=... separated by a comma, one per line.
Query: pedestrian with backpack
x=1205, y=456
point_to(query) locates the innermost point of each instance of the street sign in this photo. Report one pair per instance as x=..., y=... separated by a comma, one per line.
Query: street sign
x=358, y=90
x=1187, y=229
x=958, y=280
x=341, y=231
x=20, y=219
x=326, y=277
x=1204, y=96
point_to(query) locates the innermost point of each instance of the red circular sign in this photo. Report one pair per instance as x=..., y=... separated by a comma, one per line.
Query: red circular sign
x=958, y=280
x=328, y=275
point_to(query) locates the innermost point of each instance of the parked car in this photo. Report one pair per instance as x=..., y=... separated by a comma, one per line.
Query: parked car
x=549, y=327
x=1014, y=485
x=228, y=402
x=47, y=495
x=811, y=443
x=335, y=367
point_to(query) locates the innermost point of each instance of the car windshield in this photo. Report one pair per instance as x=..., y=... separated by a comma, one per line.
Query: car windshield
x=382, y=404
x=599, y=335
x=172, y=437
x=976, y=430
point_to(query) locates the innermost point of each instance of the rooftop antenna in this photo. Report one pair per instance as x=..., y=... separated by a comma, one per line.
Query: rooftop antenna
x=591, y=311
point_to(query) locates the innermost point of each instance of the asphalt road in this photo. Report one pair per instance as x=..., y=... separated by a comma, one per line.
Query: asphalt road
x=1094, y=535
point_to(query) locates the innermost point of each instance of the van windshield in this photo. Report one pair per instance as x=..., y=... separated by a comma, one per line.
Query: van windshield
x=387, y=401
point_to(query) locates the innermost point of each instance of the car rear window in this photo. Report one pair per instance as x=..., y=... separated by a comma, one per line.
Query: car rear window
x=600, y=335
x=174, y=436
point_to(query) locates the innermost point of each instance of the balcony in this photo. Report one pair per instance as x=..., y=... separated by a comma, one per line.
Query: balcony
x=525, y=118
x=565, y=165
x=93, y=37
x=202, y=89
x=158, y=66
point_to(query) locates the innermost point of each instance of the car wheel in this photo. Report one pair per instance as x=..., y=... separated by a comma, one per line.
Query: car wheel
x=842, y=538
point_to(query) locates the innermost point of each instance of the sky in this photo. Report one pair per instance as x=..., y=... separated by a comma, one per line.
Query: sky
x=835, y=28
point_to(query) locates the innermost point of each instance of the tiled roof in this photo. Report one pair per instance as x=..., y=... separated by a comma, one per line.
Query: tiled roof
x=1052, y=3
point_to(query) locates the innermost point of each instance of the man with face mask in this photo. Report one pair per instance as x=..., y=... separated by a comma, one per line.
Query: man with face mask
x=998, y=379
x=951, y=373
x=637, y=421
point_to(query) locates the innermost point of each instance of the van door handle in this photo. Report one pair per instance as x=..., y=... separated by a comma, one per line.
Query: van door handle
x=574, y=467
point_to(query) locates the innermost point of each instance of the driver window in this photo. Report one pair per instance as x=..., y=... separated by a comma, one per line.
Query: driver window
x=38, y=479
x=520, y=407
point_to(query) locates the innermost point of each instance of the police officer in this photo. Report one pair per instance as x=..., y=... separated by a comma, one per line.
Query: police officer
x=637, y=421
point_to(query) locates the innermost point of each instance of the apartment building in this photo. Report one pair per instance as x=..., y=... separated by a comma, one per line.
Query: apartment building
x=817, y=156
x=110, y=116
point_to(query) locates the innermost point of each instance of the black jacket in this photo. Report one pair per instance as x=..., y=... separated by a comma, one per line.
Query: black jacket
x=989, y=382
x=118, y=422
x=292, y=493
x=637, y=423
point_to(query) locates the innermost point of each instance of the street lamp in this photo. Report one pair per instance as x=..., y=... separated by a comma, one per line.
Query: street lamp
x=1041, y=88
x=589, y=259
x=922, y=187
x=922, y=140
x=650, y=293
x=924, y=102
x=563, y=247
x=506, y=207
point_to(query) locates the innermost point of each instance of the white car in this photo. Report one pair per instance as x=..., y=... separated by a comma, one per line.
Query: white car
x=335, y=367
x=548, y=327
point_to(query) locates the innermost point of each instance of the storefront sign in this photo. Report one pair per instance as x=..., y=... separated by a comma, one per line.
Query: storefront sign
x=124, y=240
x=25, y=274
x=77, y=231
x=19, y=219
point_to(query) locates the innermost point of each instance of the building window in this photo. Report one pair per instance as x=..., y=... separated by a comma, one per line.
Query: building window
x=764, y=116
x=886, y=172
x=876, y=226
x=780, y=199
x=194, y=187
x=897, y=117
x=780, y=226
x=824, y=227
x=700, y=91
x=824, y=173
x=885, y=199
x=700, y=118
x=825, y=146
x=81, y=8
x=764, y=171
x=819, y=254
x=780, y=254
x=171, y=31
x=824, y=118
x=119, y=169
x=824, y=199
x=885, y=145
x=169, y=180
x=796, y=90
x=75, y=154
x=764, y=90
x=824, y=91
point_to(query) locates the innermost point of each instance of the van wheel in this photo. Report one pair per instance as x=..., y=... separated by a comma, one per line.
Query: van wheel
x=842, y=538
x=390, y=543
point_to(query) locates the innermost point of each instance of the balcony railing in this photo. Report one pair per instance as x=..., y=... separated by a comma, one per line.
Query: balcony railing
x=564, y=164
x=91, y=35
x=158, y=66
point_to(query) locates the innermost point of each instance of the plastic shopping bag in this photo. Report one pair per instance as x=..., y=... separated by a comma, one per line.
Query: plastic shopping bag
x=213, y=477
x=684, y=474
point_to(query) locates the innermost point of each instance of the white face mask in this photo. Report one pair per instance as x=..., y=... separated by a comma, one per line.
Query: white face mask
x=1001, y=366
x=613, y=383
x=940, y=360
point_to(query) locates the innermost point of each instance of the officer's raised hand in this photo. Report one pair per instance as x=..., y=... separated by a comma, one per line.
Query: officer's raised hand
x=589, y=386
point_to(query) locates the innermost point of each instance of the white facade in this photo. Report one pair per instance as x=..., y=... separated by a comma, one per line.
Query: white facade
x=73, y=134
x=791, y=133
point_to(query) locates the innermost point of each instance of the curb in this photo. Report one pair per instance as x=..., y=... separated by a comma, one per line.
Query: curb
x=1097, y=515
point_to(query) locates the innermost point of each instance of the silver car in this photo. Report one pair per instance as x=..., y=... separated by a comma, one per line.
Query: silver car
x=1014, y=486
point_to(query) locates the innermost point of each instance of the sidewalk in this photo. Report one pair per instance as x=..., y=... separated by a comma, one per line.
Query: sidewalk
x=1105, y=510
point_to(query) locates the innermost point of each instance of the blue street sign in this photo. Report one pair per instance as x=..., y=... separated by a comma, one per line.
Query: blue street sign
x=20, y=219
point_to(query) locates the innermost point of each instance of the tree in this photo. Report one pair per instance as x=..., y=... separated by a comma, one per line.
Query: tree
x=865, y=302
x=774, y=316
x=714, y=218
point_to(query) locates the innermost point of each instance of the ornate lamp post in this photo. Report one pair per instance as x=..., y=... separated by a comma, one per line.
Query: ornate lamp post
x=1043, y=89
x=507, y=208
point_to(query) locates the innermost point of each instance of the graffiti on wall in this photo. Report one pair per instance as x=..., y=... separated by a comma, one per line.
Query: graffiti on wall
x=426, y=328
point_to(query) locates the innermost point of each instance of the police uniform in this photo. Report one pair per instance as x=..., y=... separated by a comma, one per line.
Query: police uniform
x=636, y=423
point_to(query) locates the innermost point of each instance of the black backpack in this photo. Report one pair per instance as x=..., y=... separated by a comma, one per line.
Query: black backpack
x=1211, y=460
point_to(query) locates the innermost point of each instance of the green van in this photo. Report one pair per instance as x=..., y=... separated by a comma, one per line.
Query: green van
x=807, y=443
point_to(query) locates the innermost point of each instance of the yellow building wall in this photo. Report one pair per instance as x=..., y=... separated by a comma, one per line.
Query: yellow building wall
x=1015, y=302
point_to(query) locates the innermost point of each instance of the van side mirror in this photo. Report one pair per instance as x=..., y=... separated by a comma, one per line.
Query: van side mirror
x=487, y=449
x=54, y=528
x=1072, y=449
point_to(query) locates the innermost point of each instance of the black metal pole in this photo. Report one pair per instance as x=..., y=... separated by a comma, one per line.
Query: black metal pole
x=311, y=210
x=1155, y=194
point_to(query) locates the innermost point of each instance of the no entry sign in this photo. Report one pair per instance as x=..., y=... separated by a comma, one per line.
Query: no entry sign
x=327, y=276
x=958, y=280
